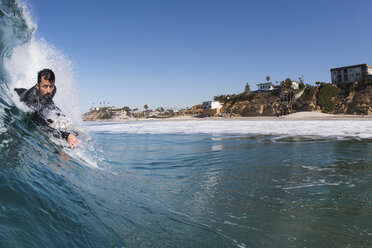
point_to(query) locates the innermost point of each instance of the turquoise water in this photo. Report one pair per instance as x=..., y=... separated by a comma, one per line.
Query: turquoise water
x=226, y=190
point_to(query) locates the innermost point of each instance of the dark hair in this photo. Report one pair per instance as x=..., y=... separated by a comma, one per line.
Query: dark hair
x=47, y=74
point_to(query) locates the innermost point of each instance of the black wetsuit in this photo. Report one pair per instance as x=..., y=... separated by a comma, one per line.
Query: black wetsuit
x=40, y=106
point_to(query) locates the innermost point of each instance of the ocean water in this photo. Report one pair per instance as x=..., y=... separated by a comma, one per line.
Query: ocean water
x=172, y=183
x=191, y=184
x=235, y=184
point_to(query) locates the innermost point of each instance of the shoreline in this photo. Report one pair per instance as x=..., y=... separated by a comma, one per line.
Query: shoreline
x=299, y=116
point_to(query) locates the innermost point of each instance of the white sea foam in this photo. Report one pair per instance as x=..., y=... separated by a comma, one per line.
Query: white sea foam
x=323, y=128
x=312, y=185
x=27, y=59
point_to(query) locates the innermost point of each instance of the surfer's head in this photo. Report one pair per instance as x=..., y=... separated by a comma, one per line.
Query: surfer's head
x=45, y=83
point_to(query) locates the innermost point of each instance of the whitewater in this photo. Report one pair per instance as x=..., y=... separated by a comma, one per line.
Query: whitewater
x=241, y=183
x=340, y=129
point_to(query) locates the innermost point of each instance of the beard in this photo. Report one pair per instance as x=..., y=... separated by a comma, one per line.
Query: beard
x=47, y=96
x=45, y=99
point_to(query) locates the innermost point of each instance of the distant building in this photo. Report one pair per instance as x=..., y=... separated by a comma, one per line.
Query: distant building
x=351, y=73
x=211, y=108
x=212, y=105
x=295, y=85
x=265, y=87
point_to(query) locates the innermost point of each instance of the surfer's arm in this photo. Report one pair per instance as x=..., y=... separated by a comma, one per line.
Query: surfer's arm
x=69, y=137
x=57, y=133
x=46, y=124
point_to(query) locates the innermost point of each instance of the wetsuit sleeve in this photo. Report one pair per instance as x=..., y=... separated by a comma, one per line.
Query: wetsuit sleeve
x=40, y=121
x=64, y=135
x=19, y=91
x=57, y=133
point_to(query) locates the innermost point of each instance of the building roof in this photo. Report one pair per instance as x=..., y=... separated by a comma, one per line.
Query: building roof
x=270, y=83
x=350, y=66
x=210, y=101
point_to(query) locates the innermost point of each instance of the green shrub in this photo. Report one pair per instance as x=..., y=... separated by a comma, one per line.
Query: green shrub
x=106, y=116
x=286, y=84
x=222, y=98
x=325, y=97
x=344, y=86
x=364, y=84
x=362, y=110
x=308, y=94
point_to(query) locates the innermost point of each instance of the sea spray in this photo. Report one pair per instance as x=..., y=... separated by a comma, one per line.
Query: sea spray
x=25, y=62
x=23, y=56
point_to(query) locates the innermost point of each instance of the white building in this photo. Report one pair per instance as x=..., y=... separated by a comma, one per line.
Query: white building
x=295, y=85
x=212, y=105
x=269, y=86
x=351, y=73
x=265, y=87
x=211, y=108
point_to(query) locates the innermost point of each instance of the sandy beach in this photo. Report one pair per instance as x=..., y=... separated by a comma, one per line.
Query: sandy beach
x=292, y=117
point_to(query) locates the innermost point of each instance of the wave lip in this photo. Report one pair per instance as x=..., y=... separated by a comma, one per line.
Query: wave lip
x=15, y=29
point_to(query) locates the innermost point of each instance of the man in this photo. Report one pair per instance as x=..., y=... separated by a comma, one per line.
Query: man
x=40, y=99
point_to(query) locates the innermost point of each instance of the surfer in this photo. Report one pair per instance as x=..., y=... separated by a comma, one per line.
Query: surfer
x=40, y=99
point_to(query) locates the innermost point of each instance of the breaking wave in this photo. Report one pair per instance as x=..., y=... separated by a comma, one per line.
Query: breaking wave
x=40, y=186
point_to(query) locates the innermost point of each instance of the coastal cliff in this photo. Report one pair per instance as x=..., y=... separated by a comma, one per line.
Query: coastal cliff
x=351, y=99
x=105, y=114
x=126, y=114
x=265, y=104
x=355, y=102
x=326, y=98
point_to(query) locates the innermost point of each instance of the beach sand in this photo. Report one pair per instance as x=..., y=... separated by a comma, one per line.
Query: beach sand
x=295, y=116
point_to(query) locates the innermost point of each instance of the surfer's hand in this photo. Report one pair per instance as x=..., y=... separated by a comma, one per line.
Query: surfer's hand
x=72, y=141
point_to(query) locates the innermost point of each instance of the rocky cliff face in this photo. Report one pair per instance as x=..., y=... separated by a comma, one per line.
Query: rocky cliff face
x=195, y=110
x=355, y=102
x=105, y=114
x=261, y=104
x=307, y=101
x=326, y=98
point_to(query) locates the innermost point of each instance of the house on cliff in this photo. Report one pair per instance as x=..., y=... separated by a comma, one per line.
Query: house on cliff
x=265, y=87
x=211, y=108
x=351, y=73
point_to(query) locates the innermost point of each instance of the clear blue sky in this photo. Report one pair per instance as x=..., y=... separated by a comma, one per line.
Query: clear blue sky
x=178, y=53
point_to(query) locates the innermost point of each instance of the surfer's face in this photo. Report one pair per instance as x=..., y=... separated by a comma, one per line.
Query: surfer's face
x=45, y=88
